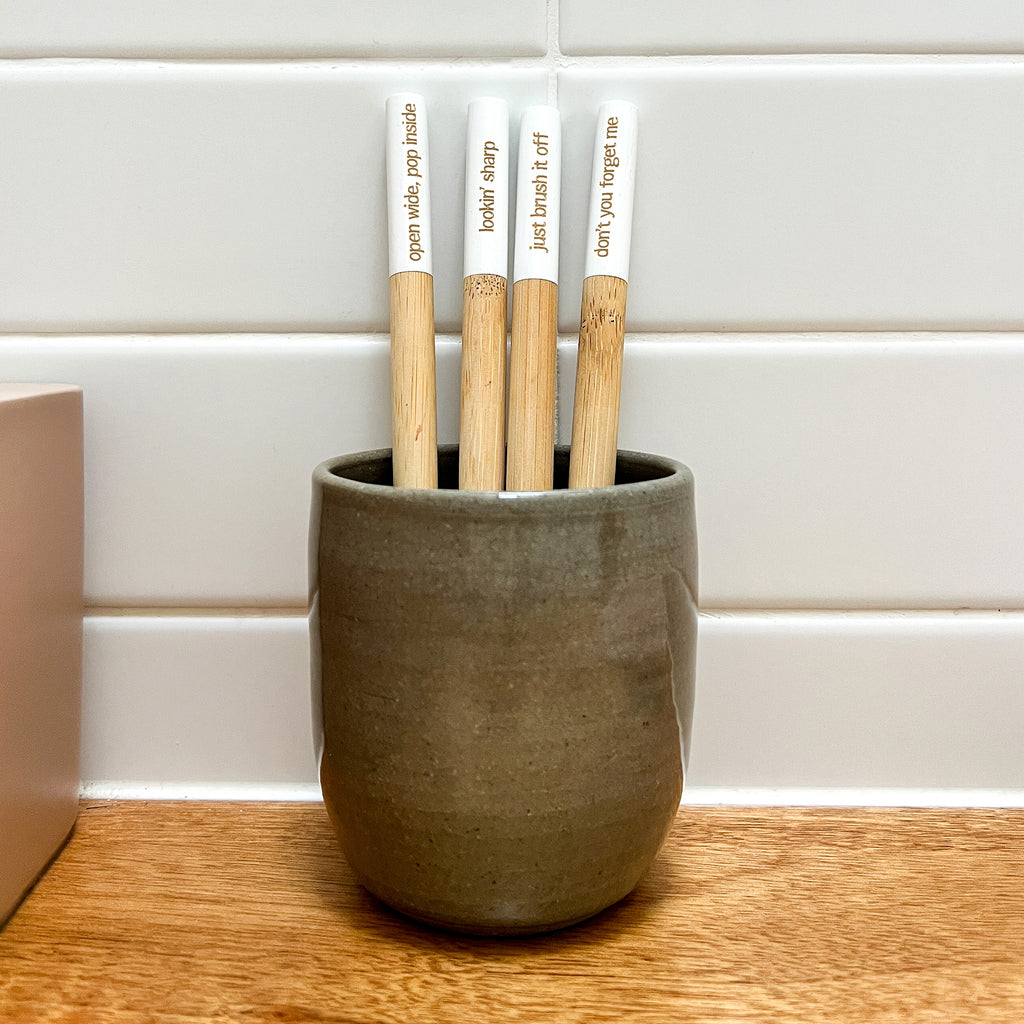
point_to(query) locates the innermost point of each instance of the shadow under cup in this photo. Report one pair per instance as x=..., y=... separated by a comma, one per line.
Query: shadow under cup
x=503, y=685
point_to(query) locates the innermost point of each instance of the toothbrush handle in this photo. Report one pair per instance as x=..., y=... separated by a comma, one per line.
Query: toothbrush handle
x=413, y=380
x=531, y=402
x=482, y=404
x=595, y=415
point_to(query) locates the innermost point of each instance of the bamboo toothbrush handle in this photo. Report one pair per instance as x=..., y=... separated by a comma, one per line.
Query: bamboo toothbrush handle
x=411, y=288
x=595, y=420
x=531, y=407
x=413, y=380
x=531, y=402
x=482, y=415
x=484, y=297
x=595, y=415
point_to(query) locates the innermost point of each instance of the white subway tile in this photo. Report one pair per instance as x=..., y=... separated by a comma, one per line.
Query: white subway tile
x=796, y=26
x=835, y=471
x=188, y=705
x=196, y=701
x=839, y=471
x=848, y=700
x=271, y=28
x=799, y=194
x=145, y=196
x=200, y=453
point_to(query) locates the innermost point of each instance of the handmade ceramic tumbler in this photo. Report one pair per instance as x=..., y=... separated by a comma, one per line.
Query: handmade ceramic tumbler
x=502, y=685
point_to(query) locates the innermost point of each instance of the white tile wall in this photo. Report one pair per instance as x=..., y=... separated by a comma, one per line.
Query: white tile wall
x=792, y=195
x=834, y=471
x=200, y=452
x=921, y=701
x=197, y=701
x=840, y=471
x=270, y=28
x=155, y=196
x=930, y=703
x=193, y=229
x=792, y=26
x=146, y=196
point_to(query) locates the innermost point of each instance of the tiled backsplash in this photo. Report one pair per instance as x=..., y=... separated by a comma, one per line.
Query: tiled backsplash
x=824, y=317
x=248, y=29
x=774, y=193
x=791, y=26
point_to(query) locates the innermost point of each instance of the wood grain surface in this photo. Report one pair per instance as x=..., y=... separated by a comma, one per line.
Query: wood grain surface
x=196, y=912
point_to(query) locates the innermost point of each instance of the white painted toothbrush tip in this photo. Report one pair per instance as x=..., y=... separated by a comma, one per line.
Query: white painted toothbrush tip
x=408, y=184
x=613, y=178
x=485, y=242
x=538, y=194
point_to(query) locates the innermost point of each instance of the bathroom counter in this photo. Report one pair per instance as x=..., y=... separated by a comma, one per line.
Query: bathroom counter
x=203, y=912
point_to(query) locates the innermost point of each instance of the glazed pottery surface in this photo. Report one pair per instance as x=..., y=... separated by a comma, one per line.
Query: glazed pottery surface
x=503, y=685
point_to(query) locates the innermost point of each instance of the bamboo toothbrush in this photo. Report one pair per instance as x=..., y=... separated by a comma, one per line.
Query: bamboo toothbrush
x=484, y=298
x=531, y=407
x=411, y=286
x=595, y=418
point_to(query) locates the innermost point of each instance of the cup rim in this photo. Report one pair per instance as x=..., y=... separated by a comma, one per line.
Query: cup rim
x=667, y=475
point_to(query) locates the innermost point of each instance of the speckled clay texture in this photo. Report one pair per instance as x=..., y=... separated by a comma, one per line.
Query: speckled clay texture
x=506, y=684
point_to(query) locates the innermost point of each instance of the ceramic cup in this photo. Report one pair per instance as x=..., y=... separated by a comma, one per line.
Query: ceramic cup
x=503, y=685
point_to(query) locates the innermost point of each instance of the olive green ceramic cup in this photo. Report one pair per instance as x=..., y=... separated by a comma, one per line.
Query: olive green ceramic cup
x=502, y=685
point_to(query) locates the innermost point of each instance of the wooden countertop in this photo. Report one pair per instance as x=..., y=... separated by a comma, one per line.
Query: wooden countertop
x=202, y=912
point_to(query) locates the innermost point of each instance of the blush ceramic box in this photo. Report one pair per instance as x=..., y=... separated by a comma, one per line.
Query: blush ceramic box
x=40, y=628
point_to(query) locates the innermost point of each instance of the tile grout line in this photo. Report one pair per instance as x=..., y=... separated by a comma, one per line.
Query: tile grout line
x=705, y=614
x=694, y=796
x=852, y=796
x=196, y=612
x=552, y=59
x=865, y=334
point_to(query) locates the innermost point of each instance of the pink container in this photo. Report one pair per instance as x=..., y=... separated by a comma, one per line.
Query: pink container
x=40, y=628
